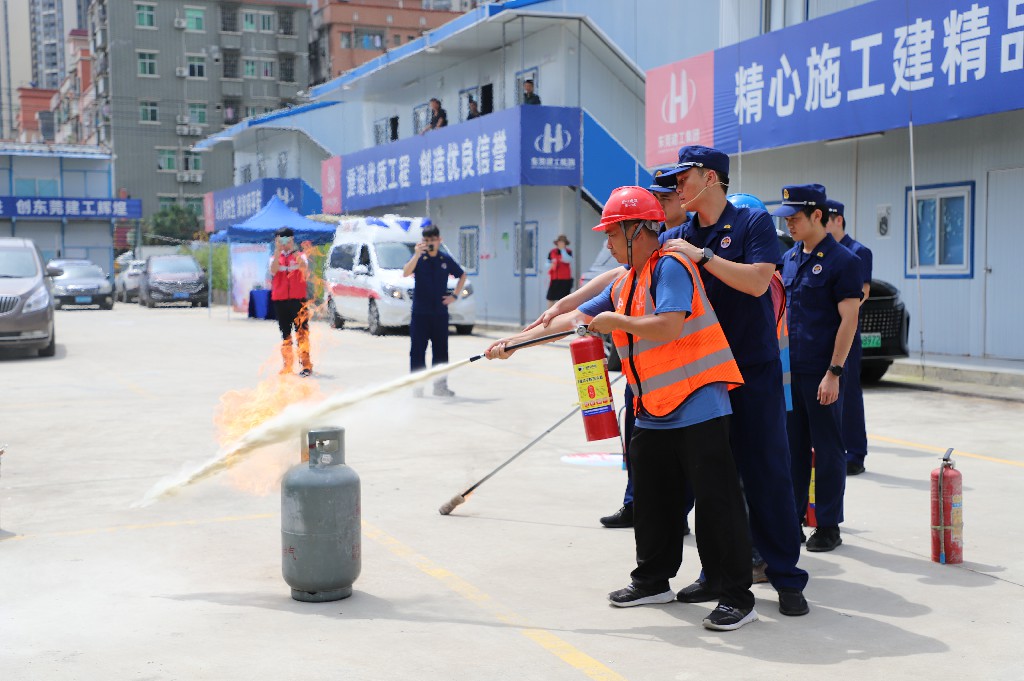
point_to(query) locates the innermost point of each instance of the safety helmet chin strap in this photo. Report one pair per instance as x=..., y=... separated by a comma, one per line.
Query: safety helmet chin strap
x=629, y=239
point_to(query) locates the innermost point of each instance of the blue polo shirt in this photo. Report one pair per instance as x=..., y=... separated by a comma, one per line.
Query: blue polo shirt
x=742, y=235
x=673, y=292
x=431, y=283
x=816, y=283
x=863, y=253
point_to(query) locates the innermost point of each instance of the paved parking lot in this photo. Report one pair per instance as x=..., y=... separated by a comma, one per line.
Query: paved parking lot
x=511, y=586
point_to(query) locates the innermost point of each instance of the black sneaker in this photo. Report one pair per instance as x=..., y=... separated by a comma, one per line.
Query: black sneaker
x=824, y=539
x=792, y=603
x=306, y=373
x=855, y=467
x=727, y=618
x=634, y=595
x=698, y=592
x=621, y=518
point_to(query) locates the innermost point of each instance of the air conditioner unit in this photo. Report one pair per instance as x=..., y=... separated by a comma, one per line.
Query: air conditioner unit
x=182, y=119
x=195, y=130
x=196, y=177
x=183, y=177
x=181, y=71
x=180, y=23
x=181, y=129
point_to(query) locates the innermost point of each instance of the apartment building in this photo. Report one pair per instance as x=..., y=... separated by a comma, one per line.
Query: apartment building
x=167, y=73
x=74, y=123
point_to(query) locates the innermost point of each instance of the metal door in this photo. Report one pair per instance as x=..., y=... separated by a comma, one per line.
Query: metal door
x=1004, y=304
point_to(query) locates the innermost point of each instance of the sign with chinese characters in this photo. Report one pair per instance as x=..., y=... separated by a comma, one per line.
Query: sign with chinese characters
x=71, y=208
x=237, y=204
x=870, y=68
x=684, y=110
x=535, y=145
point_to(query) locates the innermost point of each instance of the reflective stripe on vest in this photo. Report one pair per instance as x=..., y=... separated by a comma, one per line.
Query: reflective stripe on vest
x=670, y=371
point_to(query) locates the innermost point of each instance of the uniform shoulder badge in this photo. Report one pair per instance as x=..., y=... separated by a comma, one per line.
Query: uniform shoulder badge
x=726, y=240
x=816, y=269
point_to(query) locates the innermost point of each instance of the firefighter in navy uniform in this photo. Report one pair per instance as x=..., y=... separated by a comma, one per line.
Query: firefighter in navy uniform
x=855, y=437
x=823, y=291
x=431, y=267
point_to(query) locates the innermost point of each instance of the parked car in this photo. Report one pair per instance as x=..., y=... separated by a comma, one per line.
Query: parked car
x=82, y=283
x=884, y=321
x=172, y=279
x=26, y=301
x=126, y=282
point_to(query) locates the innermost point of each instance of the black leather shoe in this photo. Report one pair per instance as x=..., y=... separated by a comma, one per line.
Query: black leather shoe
x=698, y=592
x=621, y=518
x=854, y=467
x=792, y=603
x=824, y=539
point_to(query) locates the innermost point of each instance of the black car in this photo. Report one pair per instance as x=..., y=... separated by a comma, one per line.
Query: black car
x=884, y=321
x=172, y=279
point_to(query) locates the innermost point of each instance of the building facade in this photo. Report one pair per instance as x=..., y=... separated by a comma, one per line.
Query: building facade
x=169, y=72
x=73, y=107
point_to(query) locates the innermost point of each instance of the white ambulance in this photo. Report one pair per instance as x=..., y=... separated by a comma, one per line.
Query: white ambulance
x=363, y=275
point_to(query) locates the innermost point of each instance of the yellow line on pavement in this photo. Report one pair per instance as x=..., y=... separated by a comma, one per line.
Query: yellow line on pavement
x=942, y=450
x=545, y=639
x=141, y=526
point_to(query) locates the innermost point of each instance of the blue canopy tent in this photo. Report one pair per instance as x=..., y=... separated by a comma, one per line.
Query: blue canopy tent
x=260, y=228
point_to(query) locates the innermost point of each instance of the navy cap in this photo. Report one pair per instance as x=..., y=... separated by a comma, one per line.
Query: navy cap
x=835, y=208
x=796, y=197
x=656, y=188
x=695, y=156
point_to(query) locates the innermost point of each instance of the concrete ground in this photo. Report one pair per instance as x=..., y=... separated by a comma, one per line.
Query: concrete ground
x=511, y=586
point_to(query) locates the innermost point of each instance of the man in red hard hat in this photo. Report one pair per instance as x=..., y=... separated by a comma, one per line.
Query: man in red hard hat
x=680, y=368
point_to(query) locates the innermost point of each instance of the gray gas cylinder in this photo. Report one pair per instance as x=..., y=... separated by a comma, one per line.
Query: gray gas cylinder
x=320, y=516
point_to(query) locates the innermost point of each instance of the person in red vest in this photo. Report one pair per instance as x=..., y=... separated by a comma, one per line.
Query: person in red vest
x=289, y=268
x=680, y=368
x=560, y=261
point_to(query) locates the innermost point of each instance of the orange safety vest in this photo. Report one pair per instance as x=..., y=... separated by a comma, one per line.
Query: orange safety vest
x=663, y=374
x=288, y=282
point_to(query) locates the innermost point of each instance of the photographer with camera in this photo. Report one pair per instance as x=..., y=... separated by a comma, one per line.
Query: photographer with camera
x=430, y=267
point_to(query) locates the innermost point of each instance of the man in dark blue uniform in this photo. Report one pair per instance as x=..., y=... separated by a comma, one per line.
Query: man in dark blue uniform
x=855, y=436
x=823, y=291
x=431, y=268
x=737, y=250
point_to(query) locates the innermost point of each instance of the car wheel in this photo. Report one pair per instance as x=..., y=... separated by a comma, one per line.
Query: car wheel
x=373, y=320
x=463, y=329
x=150, y=304
x=51, y=349
x=104, y=306
x=56, y=304
x=336, y=320
x=873, y=372
x=614, y=361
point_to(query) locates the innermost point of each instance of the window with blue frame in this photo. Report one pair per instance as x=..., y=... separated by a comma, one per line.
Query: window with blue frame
x=940, y=231
x=469, y=248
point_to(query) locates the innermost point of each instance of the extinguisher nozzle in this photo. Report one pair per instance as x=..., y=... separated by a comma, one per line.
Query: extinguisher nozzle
x=449, y=506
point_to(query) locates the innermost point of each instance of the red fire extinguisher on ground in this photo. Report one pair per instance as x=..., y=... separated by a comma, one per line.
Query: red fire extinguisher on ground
x=947, y=512
x=591, y=373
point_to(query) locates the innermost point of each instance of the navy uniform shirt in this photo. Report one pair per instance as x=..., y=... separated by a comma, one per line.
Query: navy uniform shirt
x=816, y=283
x=863, y=253
x=431, y=283
x=746, y=236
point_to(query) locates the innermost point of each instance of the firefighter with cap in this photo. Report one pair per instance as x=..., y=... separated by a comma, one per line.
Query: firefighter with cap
x=674, y=216
x=855, y=437
x=678, y=363
x=289, y=269
x=823, y=287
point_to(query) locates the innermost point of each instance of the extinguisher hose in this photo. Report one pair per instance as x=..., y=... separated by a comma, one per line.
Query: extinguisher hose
x=580, y=330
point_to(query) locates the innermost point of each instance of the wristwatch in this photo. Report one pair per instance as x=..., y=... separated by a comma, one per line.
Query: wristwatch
x=706, y=258
x=835, y=370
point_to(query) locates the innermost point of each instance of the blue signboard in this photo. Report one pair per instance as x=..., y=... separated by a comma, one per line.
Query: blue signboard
x=235, y=205
x=72, y=208
x=534, y=145
x=870, y=68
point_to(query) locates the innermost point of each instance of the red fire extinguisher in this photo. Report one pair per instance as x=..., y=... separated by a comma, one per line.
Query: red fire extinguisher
x=947, y=512
x=591, y=372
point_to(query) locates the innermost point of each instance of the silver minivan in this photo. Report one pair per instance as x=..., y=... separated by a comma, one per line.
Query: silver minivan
x=26, y=301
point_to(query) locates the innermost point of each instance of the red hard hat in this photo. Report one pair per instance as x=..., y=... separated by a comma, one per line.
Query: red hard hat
x=630, y=203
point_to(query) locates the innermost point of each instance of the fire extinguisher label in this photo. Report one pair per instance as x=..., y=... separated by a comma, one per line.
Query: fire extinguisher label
x=957, y=521
x=592, y=386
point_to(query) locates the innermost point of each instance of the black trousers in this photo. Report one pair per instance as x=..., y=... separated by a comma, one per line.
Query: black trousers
x=663, y=462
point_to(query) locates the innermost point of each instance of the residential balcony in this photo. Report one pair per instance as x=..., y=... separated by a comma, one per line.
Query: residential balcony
x=231, y=87
x=288, y=91
x=287, y=43
x=230, y=40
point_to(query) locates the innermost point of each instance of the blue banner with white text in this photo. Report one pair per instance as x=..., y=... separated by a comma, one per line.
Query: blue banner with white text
x=236, y=204
x=873, y=67
x=71, y=208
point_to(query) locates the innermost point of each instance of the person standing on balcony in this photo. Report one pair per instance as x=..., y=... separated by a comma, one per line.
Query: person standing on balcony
x=438, y=116
x=560, y=263
x=529, y=96
x=474, y=110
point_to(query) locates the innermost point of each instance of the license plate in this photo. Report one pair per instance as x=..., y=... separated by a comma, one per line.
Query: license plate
x=83, y=299
x=871, y=340
x=180, y=295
